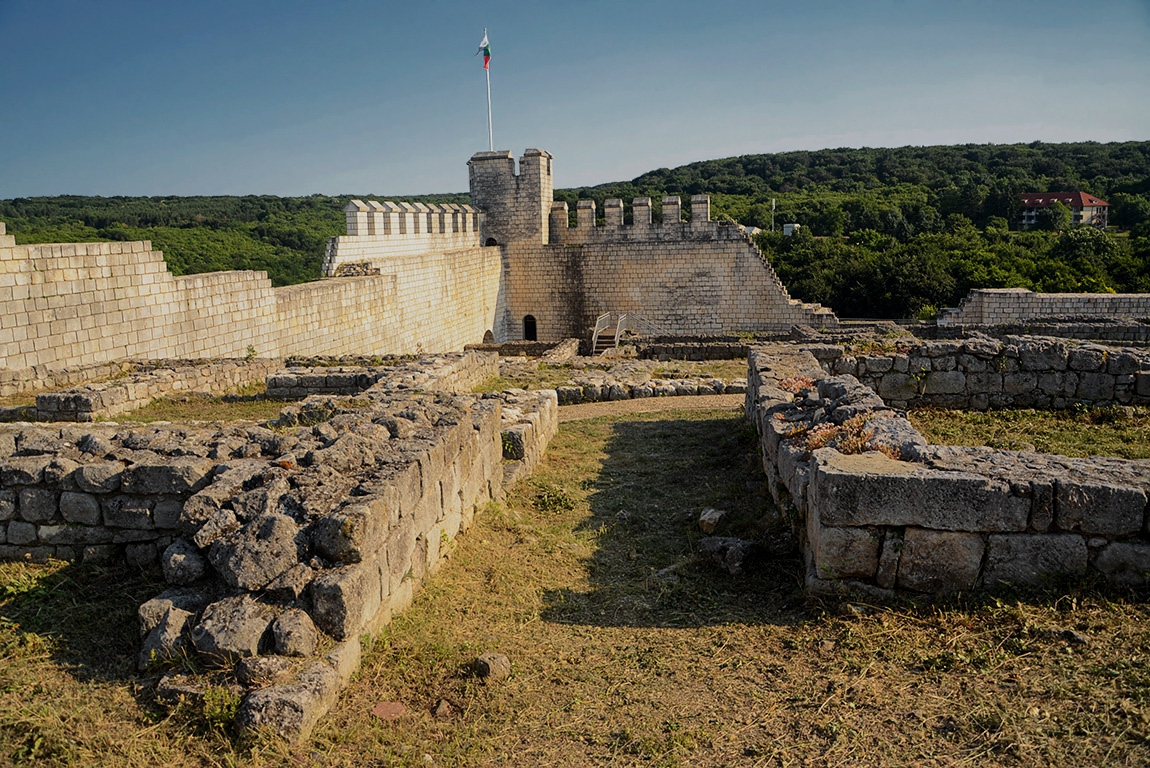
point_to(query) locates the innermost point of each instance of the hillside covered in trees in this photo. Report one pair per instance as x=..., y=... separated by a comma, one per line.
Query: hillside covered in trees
x=886, y=232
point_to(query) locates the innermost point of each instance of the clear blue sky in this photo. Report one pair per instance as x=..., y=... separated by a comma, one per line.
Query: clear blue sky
x=110, y=97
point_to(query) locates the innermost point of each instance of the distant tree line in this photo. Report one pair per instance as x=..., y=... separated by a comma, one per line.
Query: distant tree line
x=886, y=232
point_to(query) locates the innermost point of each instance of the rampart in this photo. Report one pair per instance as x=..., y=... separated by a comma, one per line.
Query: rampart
x=997, y=306
x=378, y=233
x=877, y=509
x=694, y=277
x=980, y=373
x=82, y=305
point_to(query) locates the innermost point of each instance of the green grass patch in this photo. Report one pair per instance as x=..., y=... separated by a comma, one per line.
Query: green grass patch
x=251, y=405
x=1110, y=431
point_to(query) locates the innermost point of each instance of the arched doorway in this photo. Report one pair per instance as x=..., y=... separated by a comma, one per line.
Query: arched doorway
x=529, y=332
x=488, y=338
x=491, y=241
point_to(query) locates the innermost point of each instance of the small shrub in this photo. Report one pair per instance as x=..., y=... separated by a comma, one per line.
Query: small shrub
x=220, y=706
x=550, y=498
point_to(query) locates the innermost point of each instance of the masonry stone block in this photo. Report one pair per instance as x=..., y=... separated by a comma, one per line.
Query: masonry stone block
x=1024, y=559
x=843, y=552
x=345, y=599
x=939, y=561
x=127, y=512
x=1096, y=507
x=1125, y=562
x=38, y=505
x=1037, y=354
x=82, y=508
x=897, y=387
x=21, y=533
x=945, y=382
x=7, y=504
x=1087, y=358
x=1095, y=386
x=353, y=532
x=1020, y=383
x=182, y=474
x=871, y=489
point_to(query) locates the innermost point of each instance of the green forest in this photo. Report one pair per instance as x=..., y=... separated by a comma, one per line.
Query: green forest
x=887, y=233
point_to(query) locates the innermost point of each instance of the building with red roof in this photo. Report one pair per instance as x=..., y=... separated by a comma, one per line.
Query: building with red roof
x=1084, y=208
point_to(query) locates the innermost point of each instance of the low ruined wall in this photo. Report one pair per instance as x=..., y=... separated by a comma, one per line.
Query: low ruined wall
x=1094, y=329
x=324, y=526
x=460, y=372
x=980, y=373
x=994, y=306
x=894, y=513
x=142, y=383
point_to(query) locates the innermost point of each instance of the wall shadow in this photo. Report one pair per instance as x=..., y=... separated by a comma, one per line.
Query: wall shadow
x=645, y=506
x=88, y=612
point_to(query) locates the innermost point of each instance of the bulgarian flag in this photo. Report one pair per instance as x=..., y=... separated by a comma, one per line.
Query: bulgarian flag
x=485, y=49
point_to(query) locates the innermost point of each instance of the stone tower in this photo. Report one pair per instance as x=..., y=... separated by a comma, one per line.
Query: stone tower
x=516, y=206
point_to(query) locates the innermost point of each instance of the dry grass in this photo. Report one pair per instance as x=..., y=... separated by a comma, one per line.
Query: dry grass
x=1080, y=431
x=625, y=650
x=251, y=405
x=530, y=374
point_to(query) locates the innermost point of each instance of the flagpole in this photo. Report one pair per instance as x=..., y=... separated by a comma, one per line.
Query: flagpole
x=490, y=135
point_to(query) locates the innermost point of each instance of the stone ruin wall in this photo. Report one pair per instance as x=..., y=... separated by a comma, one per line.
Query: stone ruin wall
x=998, y=306
x=327, y=524
x=979, y=373
x=903, y=515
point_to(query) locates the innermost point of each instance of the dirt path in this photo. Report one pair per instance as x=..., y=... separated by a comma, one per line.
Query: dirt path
x=648, y=404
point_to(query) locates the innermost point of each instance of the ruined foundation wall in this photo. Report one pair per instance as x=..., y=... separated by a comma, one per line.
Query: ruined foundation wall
x=981, y=373
x=904, y=515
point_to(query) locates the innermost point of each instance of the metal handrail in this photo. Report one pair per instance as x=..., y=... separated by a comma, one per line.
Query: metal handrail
x=633, y=321
x=602, y=323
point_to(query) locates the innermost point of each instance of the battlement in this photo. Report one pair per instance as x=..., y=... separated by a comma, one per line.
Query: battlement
x=386, y=219
x=515, y=205
x=378, y=232
x=613, y=229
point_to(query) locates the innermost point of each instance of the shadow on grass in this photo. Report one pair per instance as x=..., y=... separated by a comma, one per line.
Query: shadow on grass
x=86, y=613
x=645, y=505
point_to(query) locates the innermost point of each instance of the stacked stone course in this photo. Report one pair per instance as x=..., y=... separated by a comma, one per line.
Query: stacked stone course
x=904, y=515
x=980, y=373
x=996, y=306
x=332, y=520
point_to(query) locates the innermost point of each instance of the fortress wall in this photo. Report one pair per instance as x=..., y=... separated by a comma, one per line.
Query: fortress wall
x=996, y=306
x=81, y=305
x=223, y=314
x=426, y=301
x=684, y=284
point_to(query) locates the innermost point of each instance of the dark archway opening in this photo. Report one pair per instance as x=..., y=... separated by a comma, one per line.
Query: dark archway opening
x=529, y=333
x=491, y=241
x=488, y=337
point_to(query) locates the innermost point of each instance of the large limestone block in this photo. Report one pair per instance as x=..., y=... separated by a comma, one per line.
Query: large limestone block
x=1030, y=558
x=181, y=474
x=345, y=599
x=1125, y=562
x=842, y=553
x=291, y=711
x=871, y=489
x=1098, y=507
x=231, y=629
x=352, y=533
x=257, y=553
x=939, y=561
